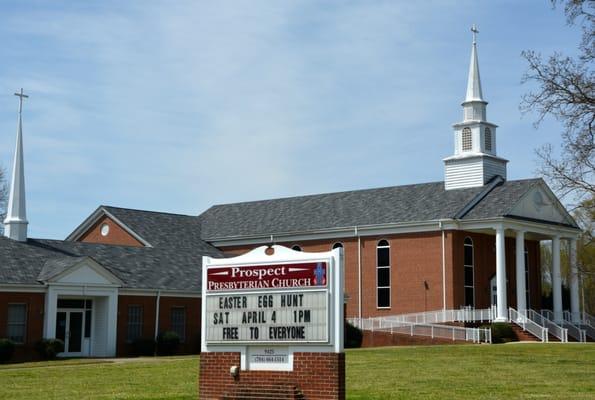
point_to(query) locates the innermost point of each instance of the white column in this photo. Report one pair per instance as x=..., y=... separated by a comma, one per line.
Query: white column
x=521, y=299
x=502, y=307
x=574, y=295
x=556, y=279
x=49, y=314
x=112, y=323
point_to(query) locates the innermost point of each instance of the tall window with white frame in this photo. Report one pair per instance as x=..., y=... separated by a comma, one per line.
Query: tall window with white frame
x=527, y=291
x=135, y=322
x=16, y=329
x=468, y=263
x=178, y=322
x=383, y=273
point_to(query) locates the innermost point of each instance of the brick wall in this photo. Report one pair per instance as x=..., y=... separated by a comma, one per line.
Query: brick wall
x=34, y=329
x=191, y=344
x=116, y=235
x=378, y=339
x=416, y=260
x=317, y=375
x=416, y=270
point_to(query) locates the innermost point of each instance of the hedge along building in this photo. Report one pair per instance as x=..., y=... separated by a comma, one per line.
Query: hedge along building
x=472, y=240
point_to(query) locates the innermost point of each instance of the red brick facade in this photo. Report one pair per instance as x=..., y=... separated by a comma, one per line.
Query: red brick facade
x=34, y=325
x=416, y=270
x=317, y=375
x=116, y=234
x=191, y=305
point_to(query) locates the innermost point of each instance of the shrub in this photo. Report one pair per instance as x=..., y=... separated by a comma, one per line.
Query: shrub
x=49, y=348
x=353, y=336
x=6, y=350
x=144, y=347
x=167, y=343
x=501, y=332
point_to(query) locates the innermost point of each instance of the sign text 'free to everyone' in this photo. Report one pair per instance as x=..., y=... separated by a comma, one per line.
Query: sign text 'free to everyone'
x=254, y=309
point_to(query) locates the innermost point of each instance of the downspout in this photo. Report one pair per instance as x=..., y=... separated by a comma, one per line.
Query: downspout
x=157, y=313
x=359, y=272
x=443, y=266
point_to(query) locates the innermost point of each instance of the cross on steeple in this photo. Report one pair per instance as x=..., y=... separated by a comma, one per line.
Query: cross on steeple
x=475, y=32
x=21, y=96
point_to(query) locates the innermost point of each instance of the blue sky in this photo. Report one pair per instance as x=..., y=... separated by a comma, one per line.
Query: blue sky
x=176, y=106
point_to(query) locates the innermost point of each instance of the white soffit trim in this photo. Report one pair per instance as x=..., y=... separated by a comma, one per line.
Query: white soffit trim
x=162, y=293
x=517, y=224
x=339, y=233
x=93, y=218
x=9, y=287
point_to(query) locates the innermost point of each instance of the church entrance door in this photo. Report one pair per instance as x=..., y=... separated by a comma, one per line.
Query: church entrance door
x=69, y=329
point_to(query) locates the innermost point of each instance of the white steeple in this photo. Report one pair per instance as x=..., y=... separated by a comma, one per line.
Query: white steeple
x=15, y=224
x=474, y=162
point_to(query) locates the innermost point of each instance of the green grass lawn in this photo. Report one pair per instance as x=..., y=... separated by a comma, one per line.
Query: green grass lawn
x=520, y=371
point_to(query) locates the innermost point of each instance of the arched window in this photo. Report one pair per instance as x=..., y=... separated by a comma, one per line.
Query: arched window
x=296, y=247
x=466, y=139
x=488, y=139
x=383, y=274
x=468, y=263
x=337, y=245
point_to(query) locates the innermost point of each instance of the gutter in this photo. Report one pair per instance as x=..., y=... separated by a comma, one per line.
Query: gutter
x=157, y=301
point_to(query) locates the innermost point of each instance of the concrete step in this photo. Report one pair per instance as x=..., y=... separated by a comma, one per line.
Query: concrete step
x=524, y=336
x=263, y=392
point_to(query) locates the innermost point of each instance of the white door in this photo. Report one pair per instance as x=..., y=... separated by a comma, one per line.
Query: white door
x=69, y=329
x=493, y=292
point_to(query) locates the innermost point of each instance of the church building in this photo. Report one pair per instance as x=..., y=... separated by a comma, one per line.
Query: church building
x=472, y=240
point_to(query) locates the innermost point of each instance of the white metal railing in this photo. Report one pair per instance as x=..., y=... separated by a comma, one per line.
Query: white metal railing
x=575, y=331
x=384, y=324
x=553, y=328
x=528, y=325
x=441, y=316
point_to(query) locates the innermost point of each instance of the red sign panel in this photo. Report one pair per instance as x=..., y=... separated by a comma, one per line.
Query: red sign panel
x=303, y=275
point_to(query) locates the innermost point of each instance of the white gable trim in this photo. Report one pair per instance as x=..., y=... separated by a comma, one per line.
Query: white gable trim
x=94, y=265
x=552, y=197
x=93, y=218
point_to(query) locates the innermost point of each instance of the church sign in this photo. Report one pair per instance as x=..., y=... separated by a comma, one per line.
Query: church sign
x=276, y=309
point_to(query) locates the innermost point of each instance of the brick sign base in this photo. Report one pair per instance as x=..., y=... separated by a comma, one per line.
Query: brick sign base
x=314, y=376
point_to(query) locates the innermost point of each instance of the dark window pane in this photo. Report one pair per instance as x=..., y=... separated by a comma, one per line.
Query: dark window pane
x=383, y=243
x=468, y=255
x=135, y=322
x=468, y=276
x=383, y=276
x=469, y=297
x=337, y=245
x=384, y=297
x=296, y=248
x=87, y=323
x=71, y=303
x=383, y=257
x=16, y=322
x=88, y=304
x=178, y=322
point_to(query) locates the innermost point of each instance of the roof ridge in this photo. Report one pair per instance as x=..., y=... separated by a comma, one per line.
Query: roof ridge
x=327, y=193
x=147, y=211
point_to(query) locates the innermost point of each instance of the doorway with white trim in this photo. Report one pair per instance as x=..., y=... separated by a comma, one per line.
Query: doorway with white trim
x=74, y=319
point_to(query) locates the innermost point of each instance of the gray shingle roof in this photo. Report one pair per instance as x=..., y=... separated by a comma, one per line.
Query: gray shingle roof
x=409, y=203
x=163, y=229
x=138, y=267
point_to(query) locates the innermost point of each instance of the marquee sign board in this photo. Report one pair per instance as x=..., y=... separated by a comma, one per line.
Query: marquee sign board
x=267, y=306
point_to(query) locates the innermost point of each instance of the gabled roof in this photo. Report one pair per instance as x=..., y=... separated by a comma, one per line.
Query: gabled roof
x=137, y=267
x=390, y=205
x=154, y=229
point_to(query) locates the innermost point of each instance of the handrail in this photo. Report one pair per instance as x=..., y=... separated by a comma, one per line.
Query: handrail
x=441, y=316
x=553, y=328
x=528, y=325
x=388, y=324
x=575, y=331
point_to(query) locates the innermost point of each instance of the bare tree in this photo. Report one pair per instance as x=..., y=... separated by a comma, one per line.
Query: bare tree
x=565, y=90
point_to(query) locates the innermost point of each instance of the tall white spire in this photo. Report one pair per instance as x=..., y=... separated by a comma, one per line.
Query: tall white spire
x=15, y=224
x=475, y=161
x=474, y=81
